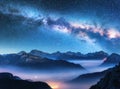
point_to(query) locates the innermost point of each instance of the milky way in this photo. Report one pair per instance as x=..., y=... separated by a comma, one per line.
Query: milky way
x=59, y=25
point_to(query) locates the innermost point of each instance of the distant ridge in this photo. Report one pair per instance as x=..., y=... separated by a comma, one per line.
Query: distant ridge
x=70, y=55
x=113, y=59
x=29, y=60
x=66, y=55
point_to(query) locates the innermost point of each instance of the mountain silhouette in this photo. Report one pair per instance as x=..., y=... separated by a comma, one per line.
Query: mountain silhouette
x=110, y=81
x=8, y=81
x=70, y=55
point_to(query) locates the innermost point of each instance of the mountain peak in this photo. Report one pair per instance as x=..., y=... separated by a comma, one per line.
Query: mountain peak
x=112, y=59
x=22, y=53
x=36, y=51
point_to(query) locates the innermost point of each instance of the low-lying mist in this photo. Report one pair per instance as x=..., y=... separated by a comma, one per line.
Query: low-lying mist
x=57, y=79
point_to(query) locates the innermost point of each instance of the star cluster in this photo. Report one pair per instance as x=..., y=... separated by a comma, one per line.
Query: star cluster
x=60, y=25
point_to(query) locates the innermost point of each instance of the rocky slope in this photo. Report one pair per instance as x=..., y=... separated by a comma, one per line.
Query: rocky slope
x=8, y=81
x=90, y=77
x=113, y=59
x=110, y=81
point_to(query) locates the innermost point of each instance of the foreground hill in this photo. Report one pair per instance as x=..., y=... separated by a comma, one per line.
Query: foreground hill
x=110, y=81
x=88, y=78
x=8, y=81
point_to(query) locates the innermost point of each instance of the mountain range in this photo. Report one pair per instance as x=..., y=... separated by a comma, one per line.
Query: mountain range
x=38, y=59
x=70, y=55
x=27, y=60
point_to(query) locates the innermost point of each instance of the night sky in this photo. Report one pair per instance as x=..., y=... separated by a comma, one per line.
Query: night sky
x=60, y=25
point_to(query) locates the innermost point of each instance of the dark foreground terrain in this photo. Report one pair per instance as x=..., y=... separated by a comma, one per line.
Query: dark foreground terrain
x=110, y=81
x=8, y=81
